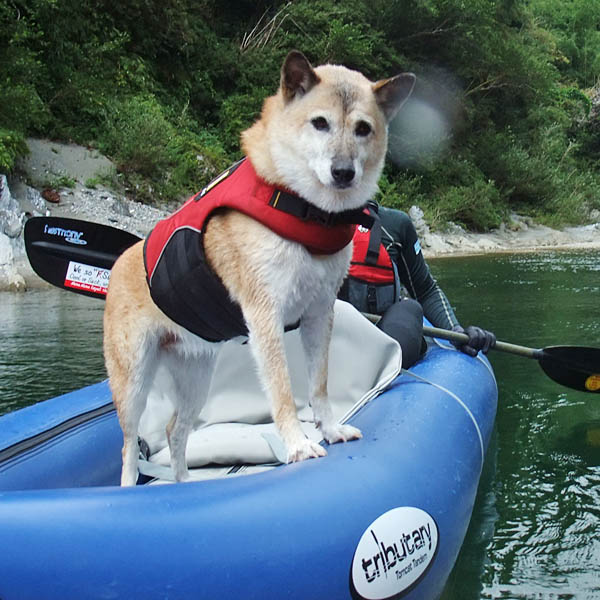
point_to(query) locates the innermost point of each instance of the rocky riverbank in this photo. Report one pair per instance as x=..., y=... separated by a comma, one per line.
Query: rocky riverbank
x=62, y=180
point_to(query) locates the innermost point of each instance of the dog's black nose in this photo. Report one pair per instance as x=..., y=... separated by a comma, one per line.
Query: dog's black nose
x=342, y=176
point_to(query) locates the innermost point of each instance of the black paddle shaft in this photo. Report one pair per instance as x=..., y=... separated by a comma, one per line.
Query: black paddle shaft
x=73, y=254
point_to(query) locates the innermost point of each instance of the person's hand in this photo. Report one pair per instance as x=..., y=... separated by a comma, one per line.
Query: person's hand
x=479, y=339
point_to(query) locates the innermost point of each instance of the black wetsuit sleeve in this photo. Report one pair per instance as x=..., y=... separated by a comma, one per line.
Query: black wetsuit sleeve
x=400, y=238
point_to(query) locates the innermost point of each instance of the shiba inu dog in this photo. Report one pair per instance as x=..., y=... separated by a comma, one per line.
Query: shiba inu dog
x=313, y=160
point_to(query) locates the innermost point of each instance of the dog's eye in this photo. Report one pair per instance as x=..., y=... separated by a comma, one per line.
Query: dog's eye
x=362, y=129
x=320, y=124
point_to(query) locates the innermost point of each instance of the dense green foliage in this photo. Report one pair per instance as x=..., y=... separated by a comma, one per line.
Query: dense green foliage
x=500, y=117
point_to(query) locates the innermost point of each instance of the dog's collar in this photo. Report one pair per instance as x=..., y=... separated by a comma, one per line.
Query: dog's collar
x=299, y=207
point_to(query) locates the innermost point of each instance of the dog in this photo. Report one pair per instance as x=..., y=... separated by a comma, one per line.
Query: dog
x=322, y=137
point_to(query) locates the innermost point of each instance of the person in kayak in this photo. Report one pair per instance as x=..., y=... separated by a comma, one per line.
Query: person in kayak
x=389, y=277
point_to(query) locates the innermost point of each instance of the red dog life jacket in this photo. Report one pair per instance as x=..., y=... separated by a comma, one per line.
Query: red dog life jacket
x=183, y=285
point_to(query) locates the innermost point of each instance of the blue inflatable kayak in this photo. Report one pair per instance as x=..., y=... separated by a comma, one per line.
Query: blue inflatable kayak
x=377, y=518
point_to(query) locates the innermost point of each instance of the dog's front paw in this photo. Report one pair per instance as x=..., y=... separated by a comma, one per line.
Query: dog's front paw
x=305, y=449
x=340, y=433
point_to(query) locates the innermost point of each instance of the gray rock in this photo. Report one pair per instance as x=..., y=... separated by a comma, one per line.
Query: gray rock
x=48, y=162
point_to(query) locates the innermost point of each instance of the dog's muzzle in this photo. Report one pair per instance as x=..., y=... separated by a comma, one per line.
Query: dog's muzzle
x=343, y=175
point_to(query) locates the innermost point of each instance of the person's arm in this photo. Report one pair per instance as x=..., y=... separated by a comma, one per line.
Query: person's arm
x=403, y=245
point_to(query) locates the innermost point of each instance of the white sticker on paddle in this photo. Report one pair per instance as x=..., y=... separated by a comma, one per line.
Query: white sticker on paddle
x=87, y=278
x=393, y=553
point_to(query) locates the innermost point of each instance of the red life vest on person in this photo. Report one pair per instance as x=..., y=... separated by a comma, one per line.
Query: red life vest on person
x=183, y=285
x=373, y=267
x=372, y=284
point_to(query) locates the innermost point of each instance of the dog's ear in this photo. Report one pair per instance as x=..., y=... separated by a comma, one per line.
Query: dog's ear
x=297, y=76
x=392, y=93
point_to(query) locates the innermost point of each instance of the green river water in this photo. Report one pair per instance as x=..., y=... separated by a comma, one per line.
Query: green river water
x=535, y=531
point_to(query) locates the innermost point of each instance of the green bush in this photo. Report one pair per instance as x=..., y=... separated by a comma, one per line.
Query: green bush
x=477, y=207
x=401, y=191
x=196, y=158
x=576, y=36
x=236, y=114
x=522, y=178
x=575, y=199
x=160, y=156
x=136, y=136
x=12, y=145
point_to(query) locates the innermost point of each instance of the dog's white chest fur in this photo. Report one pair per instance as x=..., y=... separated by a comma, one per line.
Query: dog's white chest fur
x=300, y=279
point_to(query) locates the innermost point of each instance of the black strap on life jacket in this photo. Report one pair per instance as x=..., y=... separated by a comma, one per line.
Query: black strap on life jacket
x=299, y=207
x=375, y=236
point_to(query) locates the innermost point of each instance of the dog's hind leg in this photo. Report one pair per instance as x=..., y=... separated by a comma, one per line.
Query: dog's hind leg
x=130, y=385
x=191, y=381
x=315, y=331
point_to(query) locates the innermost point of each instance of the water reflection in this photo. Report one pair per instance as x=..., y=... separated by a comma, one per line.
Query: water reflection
x=50, y=343
x=534, y=532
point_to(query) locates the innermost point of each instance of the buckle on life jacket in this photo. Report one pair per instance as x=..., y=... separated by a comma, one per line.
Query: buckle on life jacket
x=316, y=215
